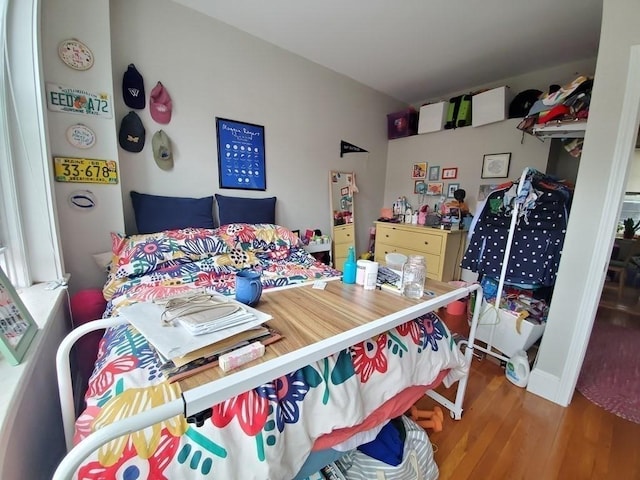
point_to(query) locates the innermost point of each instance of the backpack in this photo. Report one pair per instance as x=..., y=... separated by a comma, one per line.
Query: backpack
x=522, y=102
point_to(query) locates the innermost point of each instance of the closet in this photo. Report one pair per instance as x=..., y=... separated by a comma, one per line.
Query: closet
x=515, y=248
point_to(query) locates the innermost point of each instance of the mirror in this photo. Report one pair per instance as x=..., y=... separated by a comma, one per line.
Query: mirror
x=342, y=197
x=342, y=187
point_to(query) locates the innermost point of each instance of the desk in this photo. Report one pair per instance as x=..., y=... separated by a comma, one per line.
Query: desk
x=315, y=323
x=307, y=316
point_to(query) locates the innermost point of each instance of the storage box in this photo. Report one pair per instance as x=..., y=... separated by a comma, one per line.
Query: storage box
x=490, y=106
x=402, y=124
x=432, y=117
x=505, y=336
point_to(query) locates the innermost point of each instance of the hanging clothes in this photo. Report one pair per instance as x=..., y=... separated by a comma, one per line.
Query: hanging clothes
x=538, y=236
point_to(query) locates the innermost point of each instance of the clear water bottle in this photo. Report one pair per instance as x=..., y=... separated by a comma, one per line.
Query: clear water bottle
x=413, y=276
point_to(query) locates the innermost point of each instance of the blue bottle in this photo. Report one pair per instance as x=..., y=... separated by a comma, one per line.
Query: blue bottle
x=349, y=267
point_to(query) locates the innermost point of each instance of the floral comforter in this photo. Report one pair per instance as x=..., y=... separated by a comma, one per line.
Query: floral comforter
x=265, y=433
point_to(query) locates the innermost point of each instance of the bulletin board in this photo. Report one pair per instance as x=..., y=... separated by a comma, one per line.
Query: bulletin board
x=241, y=155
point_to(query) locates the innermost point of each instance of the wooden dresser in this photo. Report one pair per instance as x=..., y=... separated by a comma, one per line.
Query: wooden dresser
x=344, y=236
x=442, y=249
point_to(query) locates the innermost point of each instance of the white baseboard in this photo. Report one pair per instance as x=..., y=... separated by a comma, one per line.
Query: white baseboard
x=544, y=385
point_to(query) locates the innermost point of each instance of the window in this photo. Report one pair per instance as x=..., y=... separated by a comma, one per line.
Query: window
x=27, y=222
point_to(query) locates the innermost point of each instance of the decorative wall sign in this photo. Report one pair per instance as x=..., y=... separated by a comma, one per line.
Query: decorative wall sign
x=496, y=165
x=85, y=170
x=75, y=54
x=77, y=100
x=83, y=200
x=81, y=136
x=241, y=156
x=17, y=327
x=346, y=147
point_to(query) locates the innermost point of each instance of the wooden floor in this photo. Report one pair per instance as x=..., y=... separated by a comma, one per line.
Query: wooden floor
x=507, y=433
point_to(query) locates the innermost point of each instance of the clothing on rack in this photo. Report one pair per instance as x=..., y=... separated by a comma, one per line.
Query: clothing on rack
x=543, y=210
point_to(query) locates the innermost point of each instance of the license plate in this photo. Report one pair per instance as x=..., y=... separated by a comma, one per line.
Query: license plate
x=85, y=170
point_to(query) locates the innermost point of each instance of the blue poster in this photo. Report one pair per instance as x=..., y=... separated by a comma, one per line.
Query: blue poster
x=241, y=160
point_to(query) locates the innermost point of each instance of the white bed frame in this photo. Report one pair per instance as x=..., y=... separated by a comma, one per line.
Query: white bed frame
x=198, y=400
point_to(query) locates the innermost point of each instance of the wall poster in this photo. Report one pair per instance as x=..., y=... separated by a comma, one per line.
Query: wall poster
x=241, y=156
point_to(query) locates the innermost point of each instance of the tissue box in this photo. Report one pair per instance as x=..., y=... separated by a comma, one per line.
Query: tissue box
x=402, y=124
x=505, y=336
x=490, y=106
x=432, y=117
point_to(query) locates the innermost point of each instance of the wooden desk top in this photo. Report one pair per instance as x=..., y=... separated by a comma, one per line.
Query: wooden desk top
x=306, y=316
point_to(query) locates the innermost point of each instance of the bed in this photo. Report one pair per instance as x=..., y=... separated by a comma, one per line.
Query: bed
x=348, y=383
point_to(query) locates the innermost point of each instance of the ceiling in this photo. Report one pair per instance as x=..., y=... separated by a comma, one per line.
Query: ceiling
x=415, y=50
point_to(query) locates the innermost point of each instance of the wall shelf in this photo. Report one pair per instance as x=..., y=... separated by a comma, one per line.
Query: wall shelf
x=559, y=129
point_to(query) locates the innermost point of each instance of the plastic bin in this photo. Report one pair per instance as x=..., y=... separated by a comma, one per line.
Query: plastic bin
x=402, y=124
x=506, y=337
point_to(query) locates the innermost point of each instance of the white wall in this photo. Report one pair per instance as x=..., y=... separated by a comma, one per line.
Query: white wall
x=464, y=149
x=601, y=180
x=82, y=233
x=211, y=69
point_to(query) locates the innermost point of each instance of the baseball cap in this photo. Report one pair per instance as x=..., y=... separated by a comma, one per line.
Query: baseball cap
x=162, y=150
x=131, y=135
x=160, y=104
x=133, y=88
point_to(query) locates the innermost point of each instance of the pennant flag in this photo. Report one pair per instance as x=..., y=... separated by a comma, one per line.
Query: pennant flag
x=346, y=147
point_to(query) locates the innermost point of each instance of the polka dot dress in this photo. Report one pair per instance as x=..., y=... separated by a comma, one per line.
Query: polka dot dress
x=536, y=246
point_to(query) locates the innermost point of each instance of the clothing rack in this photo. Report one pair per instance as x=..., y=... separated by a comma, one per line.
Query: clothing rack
x=531, y=174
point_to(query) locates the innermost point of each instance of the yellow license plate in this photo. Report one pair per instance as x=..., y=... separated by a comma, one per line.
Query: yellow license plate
x=85, y=170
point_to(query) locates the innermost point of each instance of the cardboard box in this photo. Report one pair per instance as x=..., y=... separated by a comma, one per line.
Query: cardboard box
x=490, y=106
x=505, y=336
x=432, y=117
x=402, y=124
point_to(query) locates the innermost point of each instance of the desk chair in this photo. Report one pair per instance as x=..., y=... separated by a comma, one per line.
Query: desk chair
x=617, y=269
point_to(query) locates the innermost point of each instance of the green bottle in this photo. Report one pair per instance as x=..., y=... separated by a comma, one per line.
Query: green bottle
x=349, y=267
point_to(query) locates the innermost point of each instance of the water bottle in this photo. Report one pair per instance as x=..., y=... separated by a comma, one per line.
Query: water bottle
x=349, y=268
x=414, y=273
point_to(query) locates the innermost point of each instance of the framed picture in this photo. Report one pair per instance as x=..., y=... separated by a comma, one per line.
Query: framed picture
x=452, y=187
x=449, y=173
x=485, y=190
x=419, y=187
x=419, y=170
x=434, y=173
x=17, y=327
x=496, y=165
x=241, y=156
x=435, y=188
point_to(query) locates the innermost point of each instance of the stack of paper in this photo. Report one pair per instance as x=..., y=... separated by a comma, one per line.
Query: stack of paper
x=174, y=339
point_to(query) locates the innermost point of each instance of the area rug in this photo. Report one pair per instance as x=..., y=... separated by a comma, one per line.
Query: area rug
x=610, y=375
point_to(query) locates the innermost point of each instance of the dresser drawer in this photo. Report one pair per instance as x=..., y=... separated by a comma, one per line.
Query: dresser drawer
x=433, y=261
x=344, y=234
x=420, y=241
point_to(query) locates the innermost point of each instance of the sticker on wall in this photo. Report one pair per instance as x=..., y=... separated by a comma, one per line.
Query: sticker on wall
x=75, y=54
x=81, y=136
x=85, y=170
x=83, y=200
x=77, y=100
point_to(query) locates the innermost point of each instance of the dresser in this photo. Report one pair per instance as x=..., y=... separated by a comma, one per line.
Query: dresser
x=442, y=249
x=344, y=236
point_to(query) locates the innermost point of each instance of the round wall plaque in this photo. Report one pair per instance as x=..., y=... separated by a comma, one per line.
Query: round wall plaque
x=75, y=54
x=81, y=136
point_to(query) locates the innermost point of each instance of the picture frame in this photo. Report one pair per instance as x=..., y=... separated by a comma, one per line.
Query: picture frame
x=241, y=155
x=449, y=173
x=419, y=187
x=435, y=188
x=496, y=165
x=434, y=173
x=452, y=187
x=17, y=327
x=419, y=170
x=484, y=191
